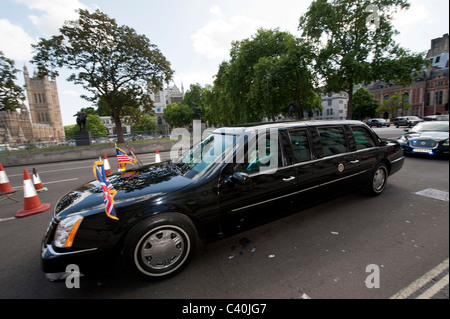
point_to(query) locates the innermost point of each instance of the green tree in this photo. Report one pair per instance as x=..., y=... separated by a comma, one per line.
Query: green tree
x=95, y=125
x=290, y=79
x=178, y=114
x=394, y=104
x=364, y=104
x=270, y=63
x=70, y=130
x=11, y=95
x=355, y=44
x=114, y=63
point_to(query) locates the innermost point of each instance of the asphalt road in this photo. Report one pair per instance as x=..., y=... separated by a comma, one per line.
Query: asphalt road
x=328, y=251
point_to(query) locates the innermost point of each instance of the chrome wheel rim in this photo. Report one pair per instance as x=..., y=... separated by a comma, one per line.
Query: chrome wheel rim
x=379, y=179
x=162, y=250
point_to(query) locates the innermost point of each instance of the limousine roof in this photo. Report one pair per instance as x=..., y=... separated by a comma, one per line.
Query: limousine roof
x=251, y=127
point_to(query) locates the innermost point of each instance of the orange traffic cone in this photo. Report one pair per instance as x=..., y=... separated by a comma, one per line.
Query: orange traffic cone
x=37, y=182
x=107, y=167
x=32, y=204
x=5, y=186
x=157, y=157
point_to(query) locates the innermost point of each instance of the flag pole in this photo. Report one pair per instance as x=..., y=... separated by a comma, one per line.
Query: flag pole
x=134, y=155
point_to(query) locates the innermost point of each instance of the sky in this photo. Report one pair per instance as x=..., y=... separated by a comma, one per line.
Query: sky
x=194, y=35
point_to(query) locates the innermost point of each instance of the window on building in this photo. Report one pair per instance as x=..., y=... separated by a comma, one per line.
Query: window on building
x=406, y=97
x=440, y=97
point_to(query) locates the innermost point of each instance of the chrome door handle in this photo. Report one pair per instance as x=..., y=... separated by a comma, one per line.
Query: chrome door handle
x=289, y=179
x=354, y=162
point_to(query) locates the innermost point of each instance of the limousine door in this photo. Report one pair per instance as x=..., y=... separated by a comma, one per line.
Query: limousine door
x=249, y=195
x=338, y=165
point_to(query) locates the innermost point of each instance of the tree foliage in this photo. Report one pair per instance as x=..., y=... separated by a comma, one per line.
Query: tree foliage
x=395, y=103
x=93, y=124
x=11, y=95
x=270, y=63
x=355, y=44
x=364, y=104
x=112, y=62
x=178, y=114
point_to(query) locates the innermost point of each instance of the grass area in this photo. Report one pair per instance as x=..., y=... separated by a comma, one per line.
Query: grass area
x=74, y=147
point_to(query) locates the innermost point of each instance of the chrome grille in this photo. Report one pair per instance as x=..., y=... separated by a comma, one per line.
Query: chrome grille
x=423, y=144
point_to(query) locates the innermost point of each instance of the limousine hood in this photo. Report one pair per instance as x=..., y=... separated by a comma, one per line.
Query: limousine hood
x=427, y=135
x=146, y=183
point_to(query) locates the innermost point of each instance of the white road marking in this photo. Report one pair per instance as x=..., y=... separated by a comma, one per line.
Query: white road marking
x=5, y=219
x=434, y=193
x=56, y=170
x=422, y=281
x=435, y=288
x=60, y=181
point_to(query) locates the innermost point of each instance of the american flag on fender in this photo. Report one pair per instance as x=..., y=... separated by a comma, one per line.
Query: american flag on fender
x=108, y=190
x=123, y=158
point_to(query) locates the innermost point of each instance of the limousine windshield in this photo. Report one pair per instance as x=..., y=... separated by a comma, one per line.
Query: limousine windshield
x=204, y=154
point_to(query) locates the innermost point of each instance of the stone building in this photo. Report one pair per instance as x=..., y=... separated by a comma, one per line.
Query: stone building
x=170, y=94
x=42, y=123
x=334, y=107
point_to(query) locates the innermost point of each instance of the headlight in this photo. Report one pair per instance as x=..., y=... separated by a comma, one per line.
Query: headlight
x=66, y=231
x=402, y=140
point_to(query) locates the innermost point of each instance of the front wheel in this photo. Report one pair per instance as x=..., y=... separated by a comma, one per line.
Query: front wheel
x=378, y=181
x=161, y=245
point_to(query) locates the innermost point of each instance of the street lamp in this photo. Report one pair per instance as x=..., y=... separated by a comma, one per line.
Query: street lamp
x=268, y=105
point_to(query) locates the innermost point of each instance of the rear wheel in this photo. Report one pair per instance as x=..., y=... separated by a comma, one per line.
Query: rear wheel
x=378, y=181
x=161, y=245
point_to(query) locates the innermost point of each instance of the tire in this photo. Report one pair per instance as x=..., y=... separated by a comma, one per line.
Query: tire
x=160, y=246
x=378, y=180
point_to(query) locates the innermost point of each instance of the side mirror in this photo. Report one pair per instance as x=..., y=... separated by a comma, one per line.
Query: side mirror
x=239, y=178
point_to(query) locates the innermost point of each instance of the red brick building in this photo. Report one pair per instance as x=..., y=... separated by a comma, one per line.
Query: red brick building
x=429, y=94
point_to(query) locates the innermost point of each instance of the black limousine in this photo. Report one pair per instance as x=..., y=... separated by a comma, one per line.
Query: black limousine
x=233, y=179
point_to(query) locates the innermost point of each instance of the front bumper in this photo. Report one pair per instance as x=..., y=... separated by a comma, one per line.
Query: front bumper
x=438, y=151
x=88, y=260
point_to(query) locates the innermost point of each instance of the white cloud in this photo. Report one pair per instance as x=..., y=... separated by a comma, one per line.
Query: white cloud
x=15, y=42
x=72, y=93
x=214, y=39
x=188, y=78
x=403, y=21
x=54, y=13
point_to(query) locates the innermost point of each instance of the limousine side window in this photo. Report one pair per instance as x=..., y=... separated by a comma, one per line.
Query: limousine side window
x=363, y=138
x=333, y=140
x=253, y=162
x=300, y=146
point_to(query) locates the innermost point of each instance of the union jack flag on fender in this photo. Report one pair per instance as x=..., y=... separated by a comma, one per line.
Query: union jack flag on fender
x=108, y=190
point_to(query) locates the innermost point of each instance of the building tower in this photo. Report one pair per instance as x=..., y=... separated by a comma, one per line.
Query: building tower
x=45, y=111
